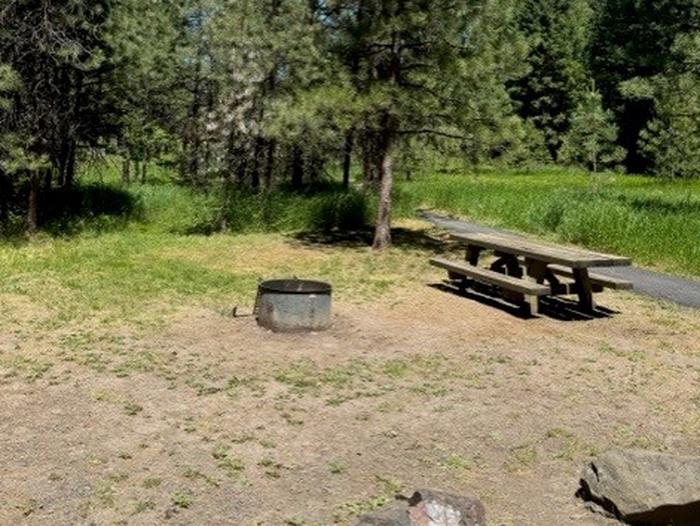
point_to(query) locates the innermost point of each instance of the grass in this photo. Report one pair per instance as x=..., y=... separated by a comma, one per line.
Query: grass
x=134, y=275
x=652, y=220
x=230, y=465
x=182, y=499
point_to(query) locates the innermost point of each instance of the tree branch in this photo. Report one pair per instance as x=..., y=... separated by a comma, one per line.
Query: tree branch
x=429, y=131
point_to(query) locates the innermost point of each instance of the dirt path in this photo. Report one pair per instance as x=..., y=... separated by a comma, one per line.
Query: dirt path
x=657, y=285
x=215, y=421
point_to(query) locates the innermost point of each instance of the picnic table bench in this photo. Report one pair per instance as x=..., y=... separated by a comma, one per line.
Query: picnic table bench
x=525, y=270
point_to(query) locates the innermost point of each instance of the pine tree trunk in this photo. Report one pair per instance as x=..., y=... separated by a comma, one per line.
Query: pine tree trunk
x=226, y=205
x=48, y=179
x=382, y=231
x=269, y=164
x=144, y=171
x=255, y=171
x=69, y=176
x=33, y=204
x=594, y=158
x=347, y=159
x=126, y=169
x=62, y=163
x=315, y=168
x=5, y=191
x=369, y=168
x=385, y=147
x=297, y=168
x=242, y=169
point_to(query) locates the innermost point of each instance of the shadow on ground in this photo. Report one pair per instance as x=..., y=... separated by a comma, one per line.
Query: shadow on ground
x=68, y=211
x=65, y=212
x=435, y=243
x=557, y=308
x=401, y=238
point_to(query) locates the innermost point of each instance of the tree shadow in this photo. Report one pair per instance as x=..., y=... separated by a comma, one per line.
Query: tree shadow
x=660, y=205
x=557, y=308
x=91, y=206
x=404, y=238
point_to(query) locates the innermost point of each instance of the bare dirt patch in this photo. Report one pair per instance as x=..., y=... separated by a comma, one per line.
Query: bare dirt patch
x=212, y=420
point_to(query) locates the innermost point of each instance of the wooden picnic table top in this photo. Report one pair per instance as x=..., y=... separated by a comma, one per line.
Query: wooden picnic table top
x=570, y=257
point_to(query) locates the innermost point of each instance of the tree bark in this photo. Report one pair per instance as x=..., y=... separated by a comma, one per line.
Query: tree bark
x=48, y=179
x=347, y=158
x=144, y=171
x=193, y=142
x=297, y=168
x=382, y=231
x=33, y=204
x=255, y=171
x=62, y=163
x=315, y=167
x=5, y=192
x=69, y=174
x=367, y=170
x=242, y=168
x=269, y=164
x=126, y=169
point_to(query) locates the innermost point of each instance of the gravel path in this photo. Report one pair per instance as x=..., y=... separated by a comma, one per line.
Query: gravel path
x=655, y=284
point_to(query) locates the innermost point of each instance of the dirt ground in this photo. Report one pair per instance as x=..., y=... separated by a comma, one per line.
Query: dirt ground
x=214, y=421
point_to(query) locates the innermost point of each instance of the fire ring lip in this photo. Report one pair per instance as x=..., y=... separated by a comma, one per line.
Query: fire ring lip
x=295, y=286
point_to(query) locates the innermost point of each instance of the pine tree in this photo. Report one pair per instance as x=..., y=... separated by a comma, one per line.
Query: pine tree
x=634, y=39
x=559, y=33
x=59, y=54
x=672, y=138
x=423, y=69
x=150, y=57
x=591, y=141
x=9, y=84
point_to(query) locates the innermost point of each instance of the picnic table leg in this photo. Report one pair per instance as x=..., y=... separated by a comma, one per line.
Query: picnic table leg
x=537, y=270
x=507, y=264
x=584, y=289
x=473, y=253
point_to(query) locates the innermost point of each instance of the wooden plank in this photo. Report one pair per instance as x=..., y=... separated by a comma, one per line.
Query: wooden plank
x=596, y=279
x=572, y=258
x=492, y=278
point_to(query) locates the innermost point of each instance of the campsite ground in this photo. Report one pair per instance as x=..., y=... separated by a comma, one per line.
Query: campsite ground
x=130, y=395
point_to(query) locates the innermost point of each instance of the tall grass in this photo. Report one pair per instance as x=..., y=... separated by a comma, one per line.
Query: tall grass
x=322, y=210
x=657, y=222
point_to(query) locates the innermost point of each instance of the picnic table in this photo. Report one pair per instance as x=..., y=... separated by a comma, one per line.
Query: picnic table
x=526, y=271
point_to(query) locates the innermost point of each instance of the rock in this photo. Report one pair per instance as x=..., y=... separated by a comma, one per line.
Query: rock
x=644, y=488
x=429, y=508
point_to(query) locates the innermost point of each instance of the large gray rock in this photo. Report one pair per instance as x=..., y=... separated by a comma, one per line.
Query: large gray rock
x=429, y=508
x=644, y=488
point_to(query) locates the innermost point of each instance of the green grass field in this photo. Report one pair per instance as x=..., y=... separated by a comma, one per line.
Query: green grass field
x=654, y=221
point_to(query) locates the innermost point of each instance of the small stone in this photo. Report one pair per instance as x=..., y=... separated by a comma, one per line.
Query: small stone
x=429, y=508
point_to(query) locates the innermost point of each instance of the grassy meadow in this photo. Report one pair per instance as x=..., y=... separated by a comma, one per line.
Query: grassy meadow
x=115, y=248
x=654, y=221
